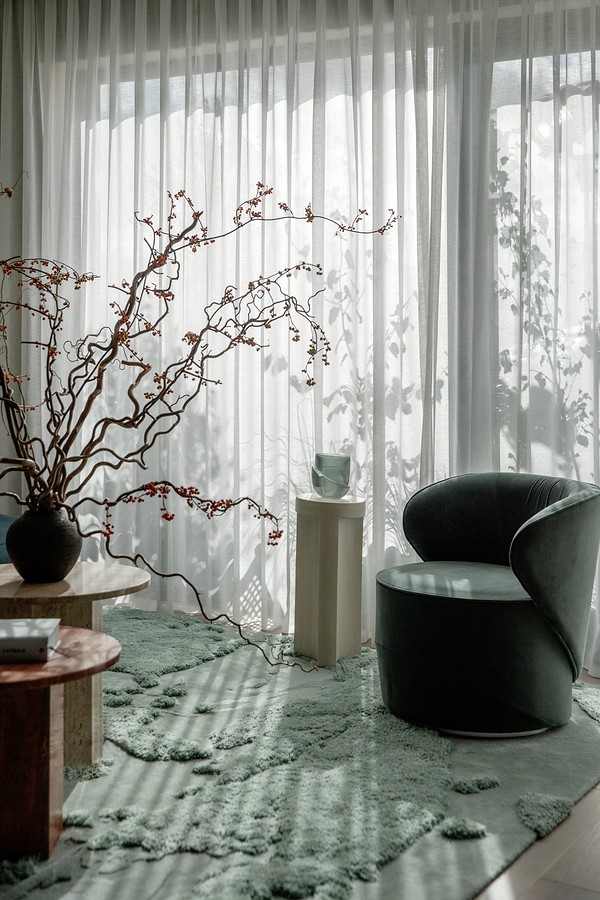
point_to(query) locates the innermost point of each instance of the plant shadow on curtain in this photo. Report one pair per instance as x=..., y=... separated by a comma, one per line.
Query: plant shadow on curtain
x=464, y=340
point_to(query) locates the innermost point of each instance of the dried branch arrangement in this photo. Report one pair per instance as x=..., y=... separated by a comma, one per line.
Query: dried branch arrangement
x=63, y=462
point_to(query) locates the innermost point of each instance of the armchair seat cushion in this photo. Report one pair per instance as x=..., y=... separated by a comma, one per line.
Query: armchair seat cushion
x=480, y=582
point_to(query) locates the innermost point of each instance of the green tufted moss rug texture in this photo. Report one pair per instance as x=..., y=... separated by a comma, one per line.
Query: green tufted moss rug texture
x=227, y=779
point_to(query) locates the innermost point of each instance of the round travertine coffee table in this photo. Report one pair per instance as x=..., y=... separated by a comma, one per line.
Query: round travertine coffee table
x=75, y=601
x=31, y=739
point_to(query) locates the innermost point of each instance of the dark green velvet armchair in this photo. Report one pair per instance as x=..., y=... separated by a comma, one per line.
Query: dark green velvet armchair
x=486, y=635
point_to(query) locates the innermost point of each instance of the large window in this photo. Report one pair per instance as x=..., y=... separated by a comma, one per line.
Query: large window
x=464, y=340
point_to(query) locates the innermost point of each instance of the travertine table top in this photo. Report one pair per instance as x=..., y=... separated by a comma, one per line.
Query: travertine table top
x=87, y=581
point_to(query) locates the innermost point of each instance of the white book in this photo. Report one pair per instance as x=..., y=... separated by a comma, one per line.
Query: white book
x=28, y=640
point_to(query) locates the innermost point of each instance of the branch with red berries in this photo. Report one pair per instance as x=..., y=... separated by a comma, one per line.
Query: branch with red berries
x=80, y=441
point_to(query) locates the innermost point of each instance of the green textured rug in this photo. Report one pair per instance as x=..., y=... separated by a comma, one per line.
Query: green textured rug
x=224, y=778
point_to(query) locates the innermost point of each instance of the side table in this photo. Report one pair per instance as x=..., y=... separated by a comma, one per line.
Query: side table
x=75, y=601
x=31, y=740
x=328, y=577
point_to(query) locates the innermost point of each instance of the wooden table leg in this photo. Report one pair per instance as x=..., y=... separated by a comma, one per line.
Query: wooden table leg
x=83, y=698
x=31, y=771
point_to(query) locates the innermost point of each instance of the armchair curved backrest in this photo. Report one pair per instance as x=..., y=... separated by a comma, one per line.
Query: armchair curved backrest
x=554, y=556
x=547, y=529
x=475, y=517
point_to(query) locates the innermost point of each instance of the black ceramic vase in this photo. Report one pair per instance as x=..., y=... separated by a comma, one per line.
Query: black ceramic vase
x=43, y=545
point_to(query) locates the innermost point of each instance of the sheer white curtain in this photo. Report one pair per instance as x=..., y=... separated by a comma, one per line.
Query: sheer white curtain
x=464, y=340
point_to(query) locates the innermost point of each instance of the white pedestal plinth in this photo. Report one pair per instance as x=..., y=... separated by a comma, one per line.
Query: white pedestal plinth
x=328, y=577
